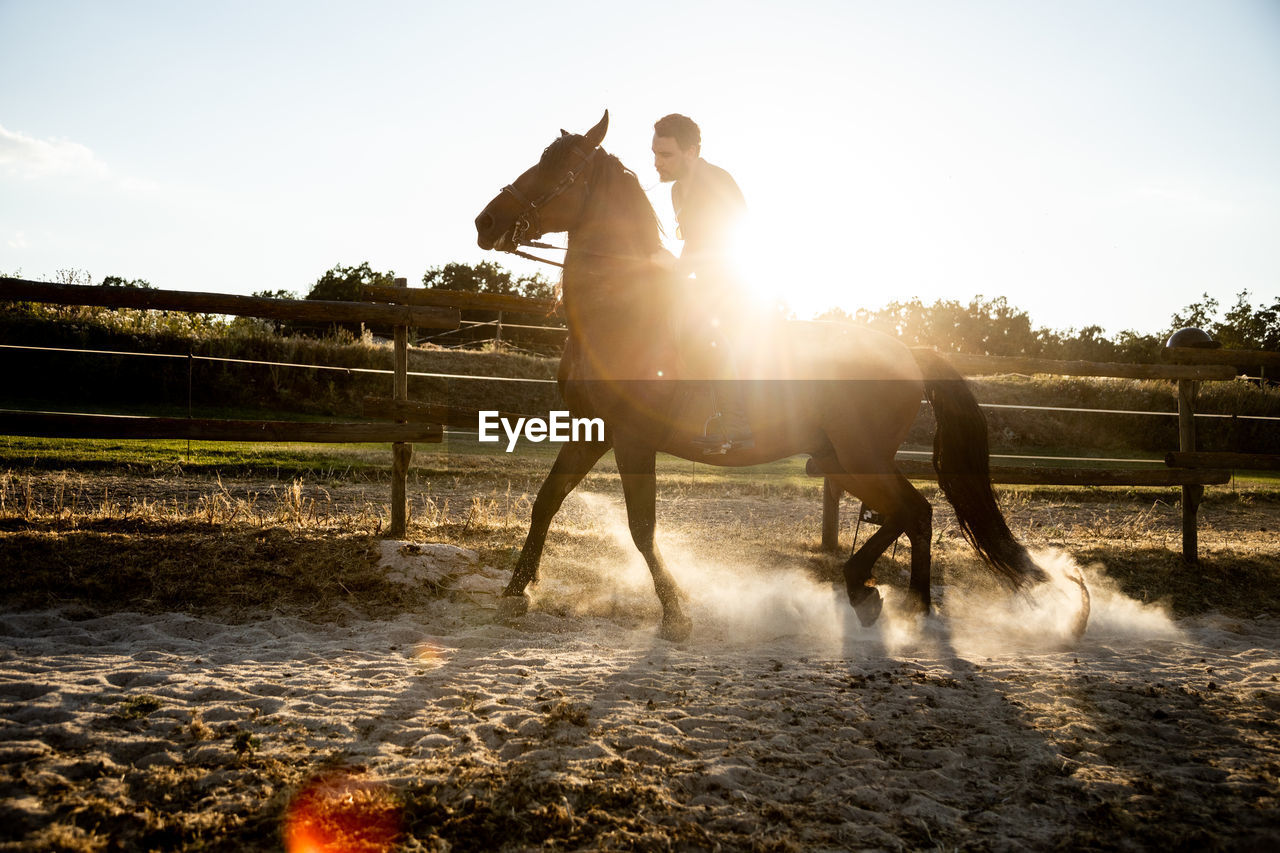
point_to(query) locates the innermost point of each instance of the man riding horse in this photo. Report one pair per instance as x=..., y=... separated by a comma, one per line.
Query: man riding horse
x=847, y=396
x=709, y=208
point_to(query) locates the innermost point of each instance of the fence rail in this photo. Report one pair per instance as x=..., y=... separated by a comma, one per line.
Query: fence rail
x=1234, y=357
x=298, y=310
x=1233, y=461
x=983, y=365
x=402, y=308
x=1186, y=468
x=400, y=317
x=499, y=304
x=461, y=299
x=1045, y=475
x=67, y=425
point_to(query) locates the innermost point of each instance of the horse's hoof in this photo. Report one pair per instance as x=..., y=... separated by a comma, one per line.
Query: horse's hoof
x=513, y=607
x=1081, y=622
x=868, y=606
x=676, y=630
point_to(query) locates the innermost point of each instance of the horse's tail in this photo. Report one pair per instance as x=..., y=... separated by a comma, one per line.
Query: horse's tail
x=961, y=458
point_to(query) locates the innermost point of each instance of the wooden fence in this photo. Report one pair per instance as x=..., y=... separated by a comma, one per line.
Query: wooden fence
x=401, y=317
x=501, y=307
x=404, y=308
x=1185, y=468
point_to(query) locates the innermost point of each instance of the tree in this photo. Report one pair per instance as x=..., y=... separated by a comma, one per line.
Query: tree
x=994, y=327
x=1246, y=327
x=983, y=327
x=487, y=277
x=117, y=281
x=835, y=314
x=1199, y=315
x=1132, y=346
x=343, y=283
x=537, y=286
x=1088, y=344
x=1242, y=326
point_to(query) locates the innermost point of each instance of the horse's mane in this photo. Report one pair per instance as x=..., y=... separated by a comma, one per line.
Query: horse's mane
x=620, y=230
x=631, y=215
x=609, y=251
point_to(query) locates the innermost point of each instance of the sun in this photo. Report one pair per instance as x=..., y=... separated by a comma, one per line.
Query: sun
x=779, y=269
x=775, y=262
x=764, y=271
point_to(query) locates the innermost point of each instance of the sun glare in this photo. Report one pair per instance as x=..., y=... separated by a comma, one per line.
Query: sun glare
x=847, y=238
x=761, y=267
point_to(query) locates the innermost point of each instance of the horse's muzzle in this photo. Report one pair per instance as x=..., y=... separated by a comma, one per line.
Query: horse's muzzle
x=484, y=231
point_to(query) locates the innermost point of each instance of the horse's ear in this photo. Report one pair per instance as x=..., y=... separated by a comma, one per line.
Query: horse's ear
x=596, y=134
x=564, y=132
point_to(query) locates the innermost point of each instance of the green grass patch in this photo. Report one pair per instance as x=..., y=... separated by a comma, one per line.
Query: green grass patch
x=281, y=461
x=137, y=707
x=460, y=454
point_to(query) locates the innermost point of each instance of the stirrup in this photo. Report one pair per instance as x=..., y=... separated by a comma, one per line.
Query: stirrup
x=871, y=516
x=721, y=442
x=712, y=444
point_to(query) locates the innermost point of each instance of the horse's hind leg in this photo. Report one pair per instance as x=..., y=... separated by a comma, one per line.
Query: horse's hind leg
x=571, y=465
x=640, y=488
x=905, y=511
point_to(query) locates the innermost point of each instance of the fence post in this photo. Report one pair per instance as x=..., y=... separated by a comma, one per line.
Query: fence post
x=830, y=515
x=191, y=372
x=401, y=452
x=1192, y=494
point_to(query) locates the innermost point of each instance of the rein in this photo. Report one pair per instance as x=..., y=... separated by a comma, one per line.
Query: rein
x=533, y=244
x=528, y=219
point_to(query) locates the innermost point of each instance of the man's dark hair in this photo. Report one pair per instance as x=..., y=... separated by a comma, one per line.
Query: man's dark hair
x=681, y=128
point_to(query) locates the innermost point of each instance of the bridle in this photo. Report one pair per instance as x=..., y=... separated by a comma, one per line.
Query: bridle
x=528, y=218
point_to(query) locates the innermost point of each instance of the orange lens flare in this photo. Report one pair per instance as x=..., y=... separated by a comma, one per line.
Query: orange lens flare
x=338, y=813
x=430, y=655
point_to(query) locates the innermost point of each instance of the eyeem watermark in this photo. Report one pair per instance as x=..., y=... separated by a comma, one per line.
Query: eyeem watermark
x=559, y=426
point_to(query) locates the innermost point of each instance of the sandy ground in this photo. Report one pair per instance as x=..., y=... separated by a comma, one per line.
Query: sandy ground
x=782, y=724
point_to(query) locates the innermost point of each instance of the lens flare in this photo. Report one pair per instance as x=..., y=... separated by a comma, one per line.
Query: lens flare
x=430, y=655
x=336, y=812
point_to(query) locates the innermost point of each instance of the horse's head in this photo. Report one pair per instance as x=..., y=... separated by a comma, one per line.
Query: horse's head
x=548, y=197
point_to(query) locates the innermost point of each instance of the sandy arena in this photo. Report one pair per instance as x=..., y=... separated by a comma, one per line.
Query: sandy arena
x=781, y=725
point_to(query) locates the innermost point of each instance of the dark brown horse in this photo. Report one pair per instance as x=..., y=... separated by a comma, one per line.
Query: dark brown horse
x=843, y=394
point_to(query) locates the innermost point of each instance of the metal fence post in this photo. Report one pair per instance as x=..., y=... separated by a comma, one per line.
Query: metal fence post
x=401, y=452
x=1191, y=494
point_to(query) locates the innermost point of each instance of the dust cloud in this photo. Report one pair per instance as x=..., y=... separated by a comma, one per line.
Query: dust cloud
x=739, y=603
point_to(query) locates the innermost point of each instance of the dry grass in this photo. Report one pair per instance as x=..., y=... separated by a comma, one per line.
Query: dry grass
x=190, y=544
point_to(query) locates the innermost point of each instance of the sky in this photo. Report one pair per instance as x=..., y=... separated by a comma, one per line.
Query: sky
x=1095, y=162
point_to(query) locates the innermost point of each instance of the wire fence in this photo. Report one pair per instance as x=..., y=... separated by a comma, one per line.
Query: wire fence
x=402, y=311
x=479, y=378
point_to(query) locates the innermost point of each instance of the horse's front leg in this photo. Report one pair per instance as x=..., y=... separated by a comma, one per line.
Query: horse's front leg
x=572, y=464
x=905, y=511
x=636, y=465
x=859, y=574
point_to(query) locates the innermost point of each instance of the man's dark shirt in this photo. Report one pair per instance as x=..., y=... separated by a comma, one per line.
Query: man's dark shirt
x=709, y=207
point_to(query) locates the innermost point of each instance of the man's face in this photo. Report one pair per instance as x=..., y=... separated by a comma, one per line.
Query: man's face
x=672, y=163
